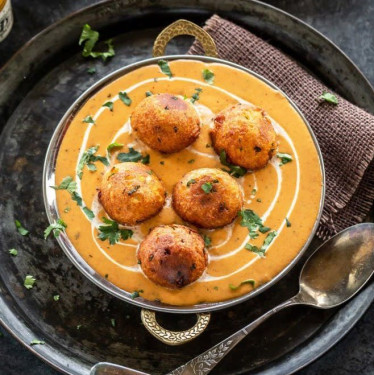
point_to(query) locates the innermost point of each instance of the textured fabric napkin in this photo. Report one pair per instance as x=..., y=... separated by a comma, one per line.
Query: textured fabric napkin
x=345, y=132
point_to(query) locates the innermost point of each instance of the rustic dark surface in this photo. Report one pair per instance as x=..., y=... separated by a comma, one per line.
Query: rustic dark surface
x=348, y=24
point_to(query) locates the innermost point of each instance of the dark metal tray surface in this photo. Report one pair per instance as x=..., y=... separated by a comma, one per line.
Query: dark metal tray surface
x=37, y=87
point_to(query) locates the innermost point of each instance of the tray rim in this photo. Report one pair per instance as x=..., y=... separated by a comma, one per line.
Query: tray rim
x=46, y=357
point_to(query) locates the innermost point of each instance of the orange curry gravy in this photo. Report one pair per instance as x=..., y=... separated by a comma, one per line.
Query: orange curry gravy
x=292, y=190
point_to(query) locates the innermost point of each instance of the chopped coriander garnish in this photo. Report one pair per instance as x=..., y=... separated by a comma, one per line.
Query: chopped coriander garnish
x=90, y=37
x=330, y=98
x=148, y=93
x=88, y=213
x=164, y=66
x=249, y=281
x=191, y=182
x=88, y=120
x=162, y=162
x=67, y=209
x=77, y=198
x=29, y=282
x=253, y=222
x=259, y=200
x=234, y=170
x=208, y=76
x=91, y=70
x=261, y=251
x=254, y=191
x=79, y=326
x=66, y=184
x=37, y=342
x=125, y=98
x=56, y=297
x=136, y=293
x=57, y=227
x=207, y=187
x=113, y=322
x=112, y=232
x=133, y=156
x=191, y=161
x=21, y=230
x=207, y=240
x=288, y=223
x=89, y=158
x=109, y=105
x=113, y=146
x=13, y=252
x=268, y=240
x=255, y=250
x=285, y=158
x=196, y=95
x=215, y=287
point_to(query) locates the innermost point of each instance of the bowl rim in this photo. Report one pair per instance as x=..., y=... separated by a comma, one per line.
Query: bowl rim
x=50, y=200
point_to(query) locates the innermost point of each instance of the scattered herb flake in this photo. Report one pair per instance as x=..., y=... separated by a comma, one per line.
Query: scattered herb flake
x=249, y=281
x=288, y=223
x=89, y=158
x=259, y=200
x=21, y=230
x=254, y=191
x=207, y=240
x=136, y=293
x=88, y=213
x=215, y=287
x=124, y=98
x=90, y=37
x=29, y=282
x=77, y=198
x=329, y=98
x=109, y=105
x=234, y=170
x=56, y=297
x=164, y=66
x=91, y=70
x=191, y=161
x=148, y=93
x=255, y=250
x=88, y=120
x=37, y=342
x=112, y=232
x=146, y=159
x=253, y=222
x=133, y=156
x=196, y=95
x=57, y=227
x=285, y=158
x=113, y=322
x=13, y=252
x=207, y=187
x=191, y=182
x=67, y=184
x=67, y=209
x=208, y=76
x=268, y=240
x=79, y=326
x=113, y=146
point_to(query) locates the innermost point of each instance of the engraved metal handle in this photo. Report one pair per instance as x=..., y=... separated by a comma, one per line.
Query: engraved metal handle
x=184, y=27
x=204, y=363
x=173, y=337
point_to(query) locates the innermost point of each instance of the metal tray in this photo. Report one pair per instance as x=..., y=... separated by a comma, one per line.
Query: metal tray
x=37, y=87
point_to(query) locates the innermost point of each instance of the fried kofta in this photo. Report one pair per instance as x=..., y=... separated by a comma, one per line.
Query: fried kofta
x=166, y=123
x=208, y=198
x=246, y=135
x=131, y=193
x=173, y=256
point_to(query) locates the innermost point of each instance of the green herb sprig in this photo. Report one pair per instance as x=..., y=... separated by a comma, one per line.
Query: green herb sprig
x=234, y=170
x=112, y=232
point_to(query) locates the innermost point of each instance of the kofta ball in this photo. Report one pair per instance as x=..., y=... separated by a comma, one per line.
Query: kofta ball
x=207, y=197
x=173, y=256
x=246, y=134
x=131, y=193
x=166, y=123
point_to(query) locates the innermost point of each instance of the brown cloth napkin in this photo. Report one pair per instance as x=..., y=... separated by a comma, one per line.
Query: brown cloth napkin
x=345, y=132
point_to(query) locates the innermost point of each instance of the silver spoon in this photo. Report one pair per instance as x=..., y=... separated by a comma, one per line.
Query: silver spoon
x=333, y=274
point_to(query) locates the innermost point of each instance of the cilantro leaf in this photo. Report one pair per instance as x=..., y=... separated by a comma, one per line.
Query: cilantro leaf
x=109, y=105
x=89, y=39
x=208, y=76
x=57, y=227
x=114, y=145
x=329, y=98
x=89, y=158
x=21, y=230
x=285, y=158
x=207, y=187
x=88, y=213
x=88, y=120
x=125, y=98
x=112, y=232
x=136, y=293
x=76, y=198
x=196, y=95
x=148, y=93
x=29, y=282
x=113, y=322
x=164, y=66
x=37, y=342
x=207, y=240
x=288, y=223
x=67, y=184
x=249, y=281
x=133, y=156
x=56, y=297
x=13, y=252
x=91, y=70
x=234, y=170
x=253, y=222
x=255, y=250
x=191, y=182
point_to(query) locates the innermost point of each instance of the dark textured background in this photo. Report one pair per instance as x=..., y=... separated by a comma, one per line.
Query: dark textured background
x=349, y=24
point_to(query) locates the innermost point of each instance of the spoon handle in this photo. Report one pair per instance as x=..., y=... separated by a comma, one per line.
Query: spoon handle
x=205, y=362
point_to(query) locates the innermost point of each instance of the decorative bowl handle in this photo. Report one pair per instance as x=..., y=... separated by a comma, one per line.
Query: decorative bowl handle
x=174, y=337
x=184, y=27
